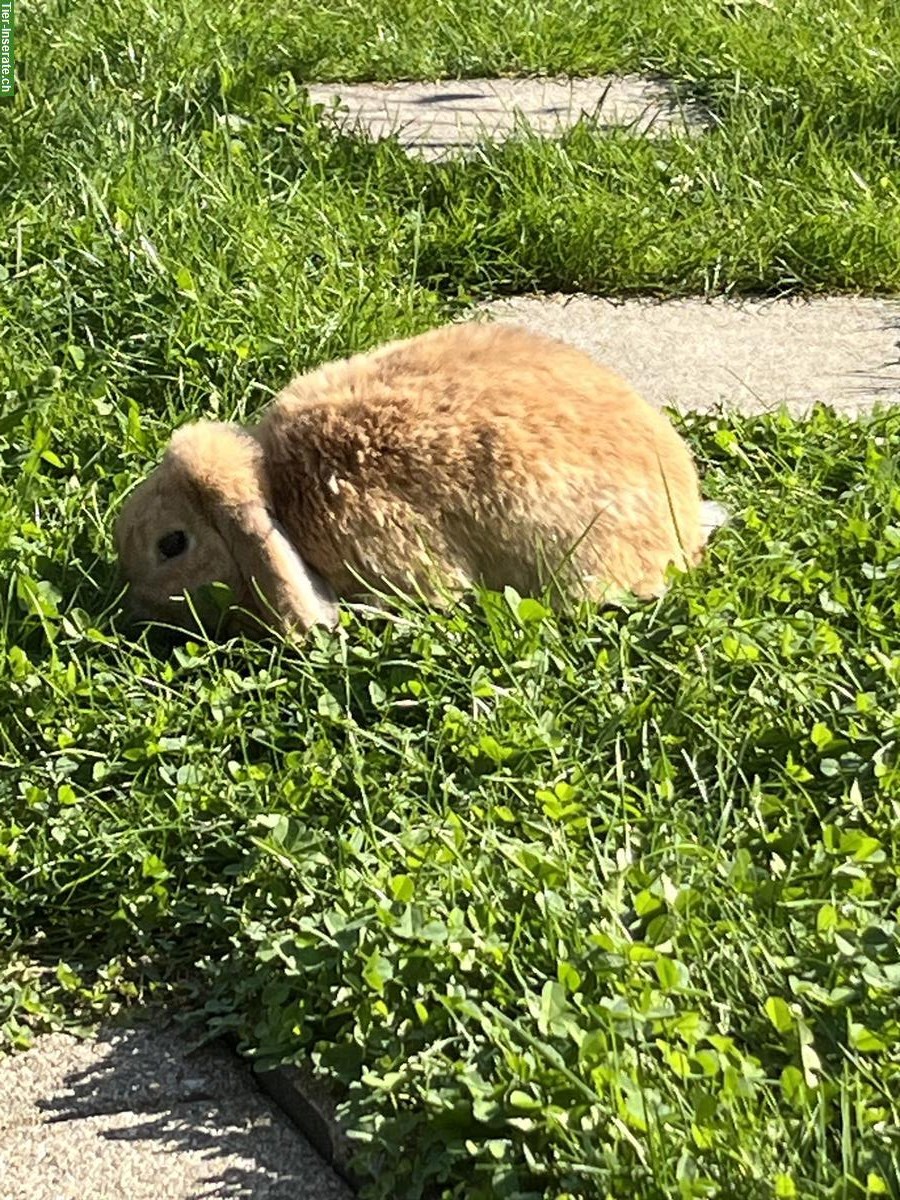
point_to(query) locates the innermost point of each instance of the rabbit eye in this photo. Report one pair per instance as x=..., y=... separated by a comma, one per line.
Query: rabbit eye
x=170, y=545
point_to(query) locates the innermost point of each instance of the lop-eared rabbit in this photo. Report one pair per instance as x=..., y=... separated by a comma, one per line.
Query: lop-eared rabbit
x=470, y=454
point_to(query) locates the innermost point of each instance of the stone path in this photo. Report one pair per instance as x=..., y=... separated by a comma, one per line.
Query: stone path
x=436, y=120
x=134, y=1116
x=751, y=355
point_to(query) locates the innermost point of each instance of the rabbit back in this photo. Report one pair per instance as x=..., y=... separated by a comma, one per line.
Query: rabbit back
x=480, y=453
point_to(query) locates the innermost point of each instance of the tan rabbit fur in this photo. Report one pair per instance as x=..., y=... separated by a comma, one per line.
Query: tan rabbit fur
x=473, y=453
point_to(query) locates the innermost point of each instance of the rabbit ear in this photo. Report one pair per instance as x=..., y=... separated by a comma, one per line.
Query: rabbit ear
x=224, y=467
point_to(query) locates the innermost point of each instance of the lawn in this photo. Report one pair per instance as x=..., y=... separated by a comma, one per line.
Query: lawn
x=596, y=905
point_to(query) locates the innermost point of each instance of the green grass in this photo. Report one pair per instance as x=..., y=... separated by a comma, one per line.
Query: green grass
x=588, y=906
x=602, y=905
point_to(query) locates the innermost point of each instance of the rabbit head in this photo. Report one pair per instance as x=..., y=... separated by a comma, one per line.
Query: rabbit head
x=204, y=516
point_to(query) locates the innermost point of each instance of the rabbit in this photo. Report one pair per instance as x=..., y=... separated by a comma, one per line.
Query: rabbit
x=471, y=454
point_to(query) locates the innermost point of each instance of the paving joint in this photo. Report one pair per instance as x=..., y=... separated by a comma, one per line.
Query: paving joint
x=311, y=1105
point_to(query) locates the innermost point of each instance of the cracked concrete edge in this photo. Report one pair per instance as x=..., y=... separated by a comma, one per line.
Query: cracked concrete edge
x=312, y=1106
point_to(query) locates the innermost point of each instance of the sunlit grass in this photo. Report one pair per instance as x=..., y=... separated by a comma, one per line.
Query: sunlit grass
x=602, y=904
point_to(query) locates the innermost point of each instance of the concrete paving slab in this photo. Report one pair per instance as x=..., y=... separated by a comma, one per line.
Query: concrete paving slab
x=187, y=1152
x=140, y=1068
x=134, y=1114
x=746, y=355
x=437, y=120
